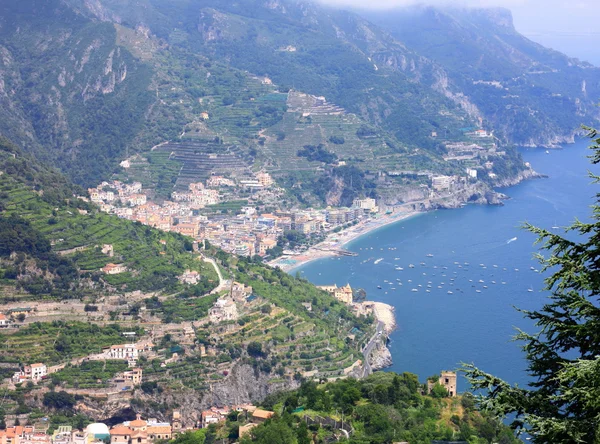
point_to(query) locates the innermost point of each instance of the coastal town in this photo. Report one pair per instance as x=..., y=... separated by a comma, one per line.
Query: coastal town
x=243, y=215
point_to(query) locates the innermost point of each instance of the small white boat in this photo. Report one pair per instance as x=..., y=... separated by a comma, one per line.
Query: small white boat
x=430, y=255
x=399, y=268
x=411, y=266
x=477, y=291
x=547, y=152
x=378, y=260
x=414, y=289
x=449, y=292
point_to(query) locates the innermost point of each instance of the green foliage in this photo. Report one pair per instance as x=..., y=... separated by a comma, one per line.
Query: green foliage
x=317, y=154
x=190, y=437
x=25, y=229
x=383, y=408
x=439, y=391
x=54, y=341
x=59, y=400
x=560, y=405
x=89, y=373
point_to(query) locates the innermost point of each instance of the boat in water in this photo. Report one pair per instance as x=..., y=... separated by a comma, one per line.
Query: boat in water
x=378, y=260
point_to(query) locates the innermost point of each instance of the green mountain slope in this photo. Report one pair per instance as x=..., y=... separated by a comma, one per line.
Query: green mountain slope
x=68, y=92
x=52, y=246
x=58, y=240
x=531, y=94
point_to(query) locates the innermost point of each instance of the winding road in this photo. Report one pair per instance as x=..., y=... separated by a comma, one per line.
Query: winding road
x=223, y=284
x=367, y=370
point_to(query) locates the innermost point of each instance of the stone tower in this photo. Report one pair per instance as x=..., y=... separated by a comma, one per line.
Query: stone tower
x=448, y=381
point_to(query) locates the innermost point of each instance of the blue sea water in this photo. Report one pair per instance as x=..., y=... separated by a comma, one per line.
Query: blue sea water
x=437, y=330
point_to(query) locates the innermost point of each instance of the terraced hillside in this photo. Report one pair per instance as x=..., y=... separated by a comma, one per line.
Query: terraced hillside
x=73, y=233
x=201, y=158
x=51, y=246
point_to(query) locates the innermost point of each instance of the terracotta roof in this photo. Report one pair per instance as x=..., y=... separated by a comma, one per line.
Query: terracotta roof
x=159, y=429
x=264, y=414
x=37, y=365
x=121, y=430
x=137, y=423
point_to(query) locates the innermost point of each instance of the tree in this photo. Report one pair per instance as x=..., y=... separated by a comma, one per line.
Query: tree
x=439, y=391
x=562, y=404
x=191, y=437
x=59, y=400
x=255, y=349
x=271, y=432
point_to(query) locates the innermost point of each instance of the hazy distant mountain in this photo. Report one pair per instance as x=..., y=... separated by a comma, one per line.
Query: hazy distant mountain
x=531, y=94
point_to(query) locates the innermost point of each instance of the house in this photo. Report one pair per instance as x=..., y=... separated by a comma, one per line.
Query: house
x=204, y=116
x=189, y=277
x=259, y=416
x=108, y=250
x=134, y=376
x=264, y=179
x=186, y=229
x=162, y=432
x=34, y=372
x=114, y=268
x=122, y=351
x=120, y=435
x=210, y=417
x=239, y=292
x=4, y=322
x=14, y=312
x=223, y=310
x=342, y=294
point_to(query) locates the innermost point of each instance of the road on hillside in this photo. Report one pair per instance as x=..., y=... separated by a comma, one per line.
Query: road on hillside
x=223, y=284
x=367, y=370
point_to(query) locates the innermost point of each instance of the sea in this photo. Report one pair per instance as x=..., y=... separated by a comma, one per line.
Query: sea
x=472, y=268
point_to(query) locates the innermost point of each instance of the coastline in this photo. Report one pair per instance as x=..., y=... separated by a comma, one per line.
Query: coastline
x=336, y=241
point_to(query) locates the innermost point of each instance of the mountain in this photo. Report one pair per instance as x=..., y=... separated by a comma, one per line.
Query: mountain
x=86, y=84
x=530, y=94
x=122, y=77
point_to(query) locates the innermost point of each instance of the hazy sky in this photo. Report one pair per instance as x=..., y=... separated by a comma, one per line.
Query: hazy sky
x=570, y=26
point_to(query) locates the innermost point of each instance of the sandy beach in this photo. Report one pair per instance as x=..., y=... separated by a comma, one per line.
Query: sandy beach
x=337, y=241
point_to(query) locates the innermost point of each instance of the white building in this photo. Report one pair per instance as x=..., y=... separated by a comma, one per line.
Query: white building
x=122, y=351
x=472, y=173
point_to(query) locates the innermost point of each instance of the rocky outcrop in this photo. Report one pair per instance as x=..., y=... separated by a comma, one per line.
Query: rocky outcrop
x=381, y=357
x=244, y=384
x=523, y=175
